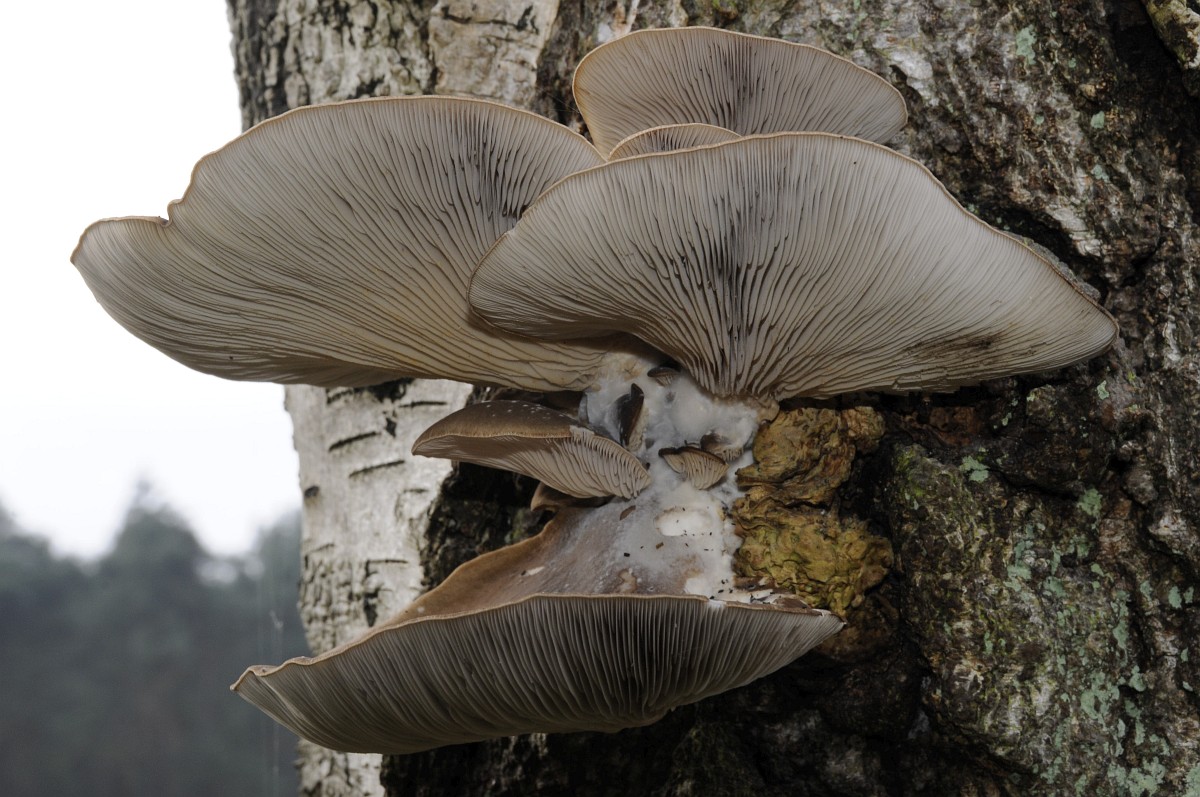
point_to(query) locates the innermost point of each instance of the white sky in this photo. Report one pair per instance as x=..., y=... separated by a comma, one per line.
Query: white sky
x=110, y=112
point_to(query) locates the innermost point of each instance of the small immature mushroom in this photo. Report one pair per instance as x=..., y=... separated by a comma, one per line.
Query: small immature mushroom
x=798, y=264
x=536, y=441
x=714, y=443
x=544, y=636
x=746, y=84
x=546, y=497
x=669, y=138
x=698, y=466
x=332, y=246
x=632, y=417
x=663, y=374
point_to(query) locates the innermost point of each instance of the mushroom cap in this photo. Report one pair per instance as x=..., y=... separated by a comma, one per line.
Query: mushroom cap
x=333, y=246
x=801, y=264
x=536, y=441
x=546, y=663
x=747, y=84
x=669, y=138
x=701, y=468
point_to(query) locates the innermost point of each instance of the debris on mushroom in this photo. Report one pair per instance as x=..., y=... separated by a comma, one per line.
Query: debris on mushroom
x=827, y=560
x=806, y=453
x=795, y=538
x=539, y=442
x=746, y=84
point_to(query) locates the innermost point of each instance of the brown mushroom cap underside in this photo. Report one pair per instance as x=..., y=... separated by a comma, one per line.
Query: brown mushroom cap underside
x=548, y=663
x=536, y=441
x=702, y=468
x=333, y=245
x=799, y=264
x=747, y=84
x=669, y=138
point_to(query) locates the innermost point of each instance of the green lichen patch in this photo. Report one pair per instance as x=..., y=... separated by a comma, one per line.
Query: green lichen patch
x=975, y=470
x=1090, y=503
x=1032, y=649
x=1024, y=42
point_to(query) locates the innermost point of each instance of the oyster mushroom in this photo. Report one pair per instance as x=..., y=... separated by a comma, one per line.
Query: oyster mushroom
x=546, y=663
x=796, y=264
x=332, y=246
x=746, y=84
x=535, y=441
x=698, y=466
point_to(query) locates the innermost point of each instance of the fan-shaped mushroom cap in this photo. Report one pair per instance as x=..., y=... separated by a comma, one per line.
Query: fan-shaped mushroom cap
x=747, y=84
x=333, y=245
x=786, y=265
x=560, y=632
x=542, y=664
x=701, y=468
x=536, y=441
x=669, y=138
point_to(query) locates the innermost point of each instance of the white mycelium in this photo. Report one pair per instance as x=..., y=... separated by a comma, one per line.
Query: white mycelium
x=673, y=534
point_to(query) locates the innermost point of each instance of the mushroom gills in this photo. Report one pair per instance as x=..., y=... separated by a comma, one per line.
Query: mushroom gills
x=536, y=441
x=701, y=468
x=618, y=662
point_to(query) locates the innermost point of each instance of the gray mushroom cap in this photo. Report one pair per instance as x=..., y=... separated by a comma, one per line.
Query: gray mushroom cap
x=550, y=446
x=799, y=264
x=563, y=631
x=333, y=245
x=747, y=84
x=547, y=663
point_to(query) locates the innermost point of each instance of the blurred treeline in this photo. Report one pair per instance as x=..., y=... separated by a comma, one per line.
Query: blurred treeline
x=115, y=674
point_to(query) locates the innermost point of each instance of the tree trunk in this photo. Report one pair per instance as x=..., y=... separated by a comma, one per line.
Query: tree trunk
x=1033, y=634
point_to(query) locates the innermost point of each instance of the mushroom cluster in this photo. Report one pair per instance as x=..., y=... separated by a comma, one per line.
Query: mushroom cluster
x=732, y=236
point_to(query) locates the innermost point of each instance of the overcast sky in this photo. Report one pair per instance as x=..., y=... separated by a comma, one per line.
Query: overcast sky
x=114, y=104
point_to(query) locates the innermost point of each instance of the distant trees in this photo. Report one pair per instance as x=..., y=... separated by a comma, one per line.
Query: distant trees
x=114, y=675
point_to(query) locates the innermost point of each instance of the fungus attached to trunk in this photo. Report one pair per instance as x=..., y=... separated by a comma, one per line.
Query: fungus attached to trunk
x=699, y=467
x=746, y=84
x=797, y=264
x=547, y=663
x=357, y=242
x=332, y=246
x=539, y=442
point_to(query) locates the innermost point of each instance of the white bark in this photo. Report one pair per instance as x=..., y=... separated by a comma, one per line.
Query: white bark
x=366, y=502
